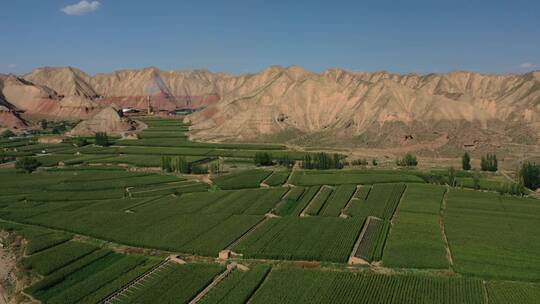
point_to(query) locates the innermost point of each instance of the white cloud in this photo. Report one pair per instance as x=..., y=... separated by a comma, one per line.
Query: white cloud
x=527, y=65
x=81, y=8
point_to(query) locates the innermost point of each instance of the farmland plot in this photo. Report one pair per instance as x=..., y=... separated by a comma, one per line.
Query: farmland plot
x=277, y=178
x=415, y=240
x=297, y=200
x=176, y=284
x=494, y=236
x=238, y=287
x=90, y=281
x=339, y=200
x=314, y=286
x=500, y=292
x=333, y=177
x=294, y=238
x=382, y=201
x=318, y=201
x=242, y=179
x=372, y=244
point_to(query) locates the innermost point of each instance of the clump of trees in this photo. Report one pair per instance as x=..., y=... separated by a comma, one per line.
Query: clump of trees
x=263, y=159
x=322, y=161
x=285, y=161
x=27, y=164
x=466, y=162
x=529, y=174
x=181, y=165
x=489, y=163
x=102, y=139
x=359, y=162
x=409, y=160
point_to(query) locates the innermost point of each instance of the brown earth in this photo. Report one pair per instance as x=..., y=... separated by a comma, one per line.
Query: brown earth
x=107, y=120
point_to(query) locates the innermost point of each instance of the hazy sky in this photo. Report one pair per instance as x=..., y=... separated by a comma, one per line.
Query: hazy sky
x=246, y=36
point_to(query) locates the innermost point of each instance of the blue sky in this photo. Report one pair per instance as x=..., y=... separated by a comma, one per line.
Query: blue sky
x=246, y=36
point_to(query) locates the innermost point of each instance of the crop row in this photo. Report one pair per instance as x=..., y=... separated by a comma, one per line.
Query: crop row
x=237, y=287
x=313, y=286
x=372, y=243
x=294, y=238
x=415, y=240
x=338, y=200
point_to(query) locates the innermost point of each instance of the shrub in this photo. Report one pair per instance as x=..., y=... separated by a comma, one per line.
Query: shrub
x=102, y=139
x=529, y=173
x=466, y=162
x=263, y=159
x=408, y=160
x=322, y=161
x=489, y=163
x=27, y=164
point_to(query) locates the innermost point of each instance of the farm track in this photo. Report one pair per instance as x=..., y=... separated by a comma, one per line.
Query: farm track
x=215, y=282
x=353, y=256
x=443, y=231
x=249, y=301
x=250, y=231
x=353, y=197
x=116, y=297
x=152, y=199
x=303, y=213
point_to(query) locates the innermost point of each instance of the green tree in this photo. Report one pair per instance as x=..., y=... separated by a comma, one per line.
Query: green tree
x=263, y=159
x=466, y=162
x=489, y=163
x=27, y=164
x=374, y=162
x=409, y=160
x=102, y=139
x=529, y=174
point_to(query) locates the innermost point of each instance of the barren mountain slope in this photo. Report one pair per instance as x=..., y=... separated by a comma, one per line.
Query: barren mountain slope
x=335, y=107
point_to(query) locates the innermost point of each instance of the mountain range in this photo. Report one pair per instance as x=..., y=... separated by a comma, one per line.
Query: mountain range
x=448, y=111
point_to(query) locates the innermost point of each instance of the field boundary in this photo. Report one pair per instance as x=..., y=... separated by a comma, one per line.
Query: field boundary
x=213, y=284
x=343, y=212
x=137, y=281
x=443, y=230
x=353, y=259
x=247, y=233
x=261, y=283
x=303, y=213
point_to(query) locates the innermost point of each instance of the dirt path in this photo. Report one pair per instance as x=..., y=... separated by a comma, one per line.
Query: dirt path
x=137, y=282
x=343, y=212
x=216, y=281
x=443, y=231
x=294, y=168
x=250, y=231
x=303, y=213
x=353, y=259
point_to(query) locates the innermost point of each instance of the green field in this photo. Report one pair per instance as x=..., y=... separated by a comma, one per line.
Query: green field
x=415, y=240
x=313, y=286
x=96, y=223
